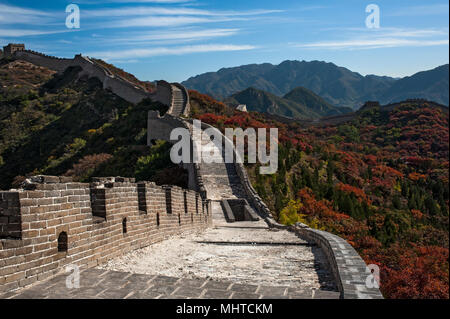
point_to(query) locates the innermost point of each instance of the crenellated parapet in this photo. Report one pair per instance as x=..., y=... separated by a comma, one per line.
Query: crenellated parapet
x=129, y=91
x=52, y=222
x=50, y=62
x=40, y=54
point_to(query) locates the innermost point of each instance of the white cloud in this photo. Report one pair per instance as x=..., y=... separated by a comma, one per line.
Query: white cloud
x=164, y=21
x=24, y=11
x=383, y=38
x=144, y=11
x=182, y=35
x=426, y=10
x=149, y=52
x=149, y=1
x=25, y=32
x=373, y=43
x=417, y=33
x=137, y=1
x=129, y=17
x=13, y=15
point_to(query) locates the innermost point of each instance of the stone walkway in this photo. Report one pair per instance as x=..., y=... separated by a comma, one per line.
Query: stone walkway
x=178, y=102
x=241, y=252
x=241, y=260
x=104, y=284
x=220, y=179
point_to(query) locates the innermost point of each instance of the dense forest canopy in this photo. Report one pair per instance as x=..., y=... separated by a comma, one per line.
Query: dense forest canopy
x=65, y=125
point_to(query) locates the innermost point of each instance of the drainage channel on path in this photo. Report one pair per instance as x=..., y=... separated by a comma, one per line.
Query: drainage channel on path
x=253, y=243
x=244, y=227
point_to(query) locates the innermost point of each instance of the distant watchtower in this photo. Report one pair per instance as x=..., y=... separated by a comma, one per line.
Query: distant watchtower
x=11, y=48
x=242, y=108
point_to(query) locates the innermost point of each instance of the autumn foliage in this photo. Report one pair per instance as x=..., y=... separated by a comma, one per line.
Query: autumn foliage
x=87, y=165
x=380, y=181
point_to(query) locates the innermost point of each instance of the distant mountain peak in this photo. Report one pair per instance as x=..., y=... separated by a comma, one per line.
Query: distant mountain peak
x=300, y=103
x=337, y=85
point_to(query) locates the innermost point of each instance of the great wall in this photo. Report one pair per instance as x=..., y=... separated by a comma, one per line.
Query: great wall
x=52, y=222
x=174, y=95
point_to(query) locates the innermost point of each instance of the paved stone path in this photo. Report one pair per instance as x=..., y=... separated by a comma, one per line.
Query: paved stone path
x=243, y=253
x=219, y=178
x=104, y=284
x=177, y=101
x=241, y=260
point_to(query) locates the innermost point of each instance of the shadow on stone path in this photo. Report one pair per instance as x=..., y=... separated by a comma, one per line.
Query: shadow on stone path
x=104, y=284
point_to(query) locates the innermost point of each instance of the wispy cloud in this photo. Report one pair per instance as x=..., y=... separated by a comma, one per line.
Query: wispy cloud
x=180, y=50
x=153, y=30
x=137, y=1
x=140, y=11
x=148, y=1
x=166, y=21
x=425, y=10
x=177, y=35
x=396, y=32
x=372, y=44
x=7, y=9
x=134, y=17
x=13, y=14
x=17, y=22
x=383, y=38
x=311, y=8
x=147, y=23
x=10, y=33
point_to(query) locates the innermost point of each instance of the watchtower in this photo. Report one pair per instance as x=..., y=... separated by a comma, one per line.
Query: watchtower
x=11, y=48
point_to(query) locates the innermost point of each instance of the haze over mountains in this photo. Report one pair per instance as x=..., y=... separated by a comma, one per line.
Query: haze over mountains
x=337, y=85
x=299, y=103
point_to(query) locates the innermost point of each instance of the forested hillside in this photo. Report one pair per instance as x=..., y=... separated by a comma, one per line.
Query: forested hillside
x=62, y=125
x=380, y=181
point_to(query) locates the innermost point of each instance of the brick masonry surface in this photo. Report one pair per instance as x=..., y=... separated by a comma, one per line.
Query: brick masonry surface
x=104, y=284
x=131, y=92
x=349, y=269
x=53, y=222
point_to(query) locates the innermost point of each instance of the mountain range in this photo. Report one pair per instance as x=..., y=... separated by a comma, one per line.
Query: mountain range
x=337, y=85
x=300, y=103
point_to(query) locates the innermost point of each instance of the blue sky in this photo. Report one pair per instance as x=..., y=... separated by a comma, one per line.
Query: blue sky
x=176, y=39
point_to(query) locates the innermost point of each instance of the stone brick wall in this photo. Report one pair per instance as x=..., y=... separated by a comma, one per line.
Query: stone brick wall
x=40, y=59
x=347, y=266
x=163, y=93
x=10, y=221
x=50, y=207
x=125, y=89
x=349, y=269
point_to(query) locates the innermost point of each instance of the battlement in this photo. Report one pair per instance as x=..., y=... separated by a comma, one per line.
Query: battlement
x=129, y=91
x=52, y=221
x=9, y=49
x=43, y=55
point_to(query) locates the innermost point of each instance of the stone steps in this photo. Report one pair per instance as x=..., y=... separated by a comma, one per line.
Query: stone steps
x=220, y=179
x=178, y=101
